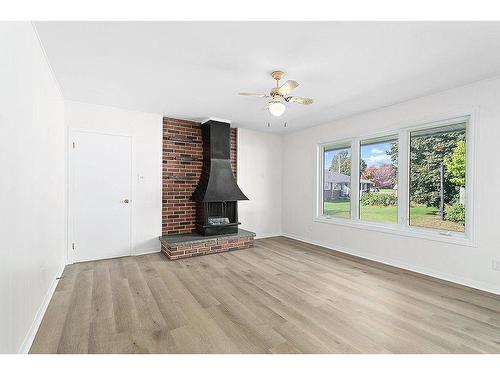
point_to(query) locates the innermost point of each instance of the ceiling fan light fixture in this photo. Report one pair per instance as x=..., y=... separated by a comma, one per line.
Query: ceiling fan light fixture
x=277, y=108
x=279, y=95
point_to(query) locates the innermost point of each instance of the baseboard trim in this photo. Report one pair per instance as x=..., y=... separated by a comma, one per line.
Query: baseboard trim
x=267, y=235
x=30, y=335
x=151, y=251
x=391, y=262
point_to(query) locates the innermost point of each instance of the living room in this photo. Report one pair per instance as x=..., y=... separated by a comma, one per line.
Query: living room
x=250, y=187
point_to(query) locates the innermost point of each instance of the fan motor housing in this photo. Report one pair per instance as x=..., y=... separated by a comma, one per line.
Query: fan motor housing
x=277, y=75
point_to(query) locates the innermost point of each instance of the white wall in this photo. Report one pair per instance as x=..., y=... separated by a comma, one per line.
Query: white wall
x=463, y=264
x=259, y=177
x=146, y=132
x=32, y=186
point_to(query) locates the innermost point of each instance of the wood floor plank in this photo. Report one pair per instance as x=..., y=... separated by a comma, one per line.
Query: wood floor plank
x=76, y=330
x=49, y=334
x=148, y=313
x=251, y=301
x=171, y=311
x=125, y=314
x=243, y=338
x=285, y=348
x=102, y=323
x=282, y=296
x=254, y=326
x=301, y=341
x=210, y=337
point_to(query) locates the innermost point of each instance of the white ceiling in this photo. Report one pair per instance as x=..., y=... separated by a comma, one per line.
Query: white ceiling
x=193, y=70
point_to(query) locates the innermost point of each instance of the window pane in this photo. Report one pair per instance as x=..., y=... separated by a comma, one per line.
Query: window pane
x=337, y=181
x=437, y=178
x=378, y=166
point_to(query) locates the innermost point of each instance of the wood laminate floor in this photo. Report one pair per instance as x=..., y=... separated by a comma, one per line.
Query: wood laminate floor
x=282, y=296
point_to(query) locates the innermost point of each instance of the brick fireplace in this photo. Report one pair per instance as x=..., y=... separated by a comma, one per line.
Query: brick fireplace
x=182, y=169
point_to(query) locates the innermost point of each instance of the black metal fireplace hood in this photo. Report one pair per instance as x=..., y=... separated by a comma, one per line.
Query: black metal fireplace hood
x=217, y=183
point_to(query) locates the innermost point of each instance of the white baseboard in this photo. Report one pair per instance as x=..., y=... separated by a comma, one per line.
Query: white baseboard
x=151, y=251
x=267, y=235
x=30, y=335
x=495, y=289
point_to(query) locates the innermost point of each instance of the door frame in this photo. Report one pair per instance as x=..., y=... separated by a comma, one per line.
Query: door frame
x=70, y=251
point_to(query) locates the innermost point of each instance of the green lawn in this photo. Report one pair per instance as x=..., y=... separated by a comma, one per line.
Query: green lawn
x=384, y=214
x=420, y=216
x=338, y=209
x=372, y=213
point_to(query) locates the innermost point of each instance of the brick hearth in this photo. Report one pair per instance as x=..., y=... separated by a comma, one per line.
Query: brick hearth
x=189, y=245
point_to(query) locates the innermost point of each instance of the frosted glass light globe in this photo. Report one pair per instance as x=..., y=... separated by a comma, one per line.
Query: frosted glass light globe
x=277, y=108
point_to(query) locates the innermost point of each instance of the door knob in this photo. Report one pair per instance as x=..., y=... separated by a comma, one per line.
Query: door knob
x=126, y=201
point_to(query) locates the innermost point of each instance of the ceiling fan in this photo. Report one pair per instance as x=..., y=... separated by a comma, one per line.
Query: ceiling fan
x=280, y=95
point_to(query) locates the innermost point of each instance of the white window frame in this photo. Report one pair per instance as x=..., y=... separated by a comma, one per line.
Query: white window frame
x=342, y=143
x=402, y=227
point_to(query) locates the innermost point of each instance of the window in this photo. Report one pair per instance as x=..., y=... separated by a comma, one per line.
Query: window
x=337, y=181
x=437, y=178
x=415, y=180
x=378, y=183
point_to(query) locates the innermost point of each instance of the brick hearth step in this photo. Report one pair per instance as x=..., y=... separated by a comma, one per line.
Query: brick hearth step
x=177, y=246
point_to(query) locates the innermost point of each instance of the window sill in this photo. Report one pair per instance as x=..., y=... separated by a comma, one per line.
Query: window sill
x=395, y=229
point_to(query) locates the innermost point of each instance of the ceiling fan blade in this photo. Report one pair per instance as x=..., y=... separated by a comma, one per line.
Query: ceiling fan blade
x=253, y=94
x=287, y=87
x=299, y=100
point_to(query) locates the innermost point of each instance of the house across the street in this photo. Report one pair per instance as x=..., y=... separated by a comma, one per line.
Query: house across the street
x=338, y=185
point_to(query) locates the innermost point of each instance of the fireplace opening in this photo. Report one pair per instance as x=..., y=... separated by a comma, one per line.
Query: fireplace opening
x=218, y=218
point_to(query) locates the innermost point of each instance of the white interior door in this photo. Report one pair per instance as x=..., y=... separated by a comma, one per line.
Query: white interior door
x=101, y=204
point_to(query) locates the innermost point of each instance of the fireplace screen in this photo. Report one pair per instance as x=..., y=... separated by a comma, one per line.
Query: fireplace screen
x=218, y=217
